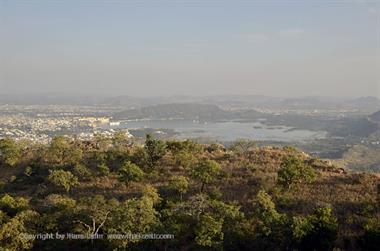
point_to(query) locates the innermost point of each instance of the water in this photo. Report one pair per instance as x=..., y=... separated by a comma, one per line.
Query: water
x=227, y=131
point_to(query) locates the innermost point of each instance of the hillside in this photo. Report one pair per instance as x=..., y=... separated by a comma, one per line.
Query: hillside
x=202, y=197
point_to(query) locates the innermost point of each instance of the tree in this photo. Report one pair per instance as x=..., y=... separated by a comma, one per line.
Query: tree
x=59, y=213
x=293, y=170
x=120, y=139
x=151, y=192
x=370, y=240
x=265, y=213
x=242, y=146
x=206, y=172
x=10, y=151
x=140, y=157
x=12, y=233
x=209, y=232
x=61, y=152
x=130, y=172
x=155, y=150
x=188, y=146
x=63, y=179
x=265, y=209
x=185, y=159
x=270, y=227
x=82, y=171
x=103, y=170
x=13, y=205
x=94, y=212
x=133, y=216
x=179, y=184
x=212, y=218
x=318, y=230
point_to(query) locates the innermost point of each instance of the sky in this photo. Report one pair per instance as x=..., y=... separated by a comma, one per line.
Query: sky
x=203, y=47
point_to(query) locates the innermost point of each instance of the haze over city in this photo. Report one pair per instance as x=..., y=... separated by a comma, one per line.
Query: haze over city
x=146, y=48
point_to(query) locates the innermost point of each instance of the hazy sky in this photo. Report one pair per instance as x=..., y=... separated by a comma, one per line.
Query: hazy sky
x=200, y=47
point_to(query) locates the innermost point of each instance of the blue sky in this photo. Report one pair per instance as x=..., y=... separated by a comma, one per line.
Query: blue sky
x=146, y=48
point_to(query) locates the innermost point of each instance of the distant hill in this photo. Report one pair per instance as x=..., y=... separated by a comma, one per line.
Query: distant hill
x=375, y=117
x=184, y=111
x=365, y=104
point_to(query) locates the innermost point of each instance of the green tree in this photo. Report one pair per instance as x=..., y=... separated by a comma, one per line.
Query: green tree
x=179, y=184
x=270, y=227
x=209, y=232
x=63, y=179
x=188, y=146
x=62, y=152
x=211, y=218
x=318, y=230
x=206, y=172
x=13, y=205
x=58, y=215
x=185, y=159
x=120, y=139
x=265, y=213
x=370, y=240
x=103, y=170
x=149, y=191
x=93, y=213
x=131, y=217
x=13, y=231
x=155, y=149
x=294, y=170
x=10, y=152
x=130, y=172
x=82, y=171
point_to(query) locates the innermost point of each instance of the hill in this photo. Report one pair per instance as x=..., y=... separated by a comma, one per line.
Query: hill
x=375, y=117
x=192, y=196
x=363, y=104
x=188, y=111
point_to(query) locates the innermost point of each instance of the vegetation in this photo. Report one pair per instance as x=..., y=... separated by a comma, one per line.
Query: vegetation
x=130, y=172
x=109, y=192
x=64, y=179
x=10, y=152
x=294, y=170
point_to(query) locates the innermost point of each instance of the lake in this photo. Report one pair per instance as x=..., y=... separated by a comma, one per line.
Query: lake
x=227, y=131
